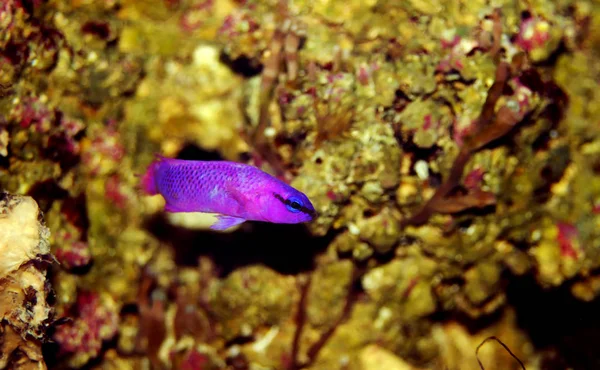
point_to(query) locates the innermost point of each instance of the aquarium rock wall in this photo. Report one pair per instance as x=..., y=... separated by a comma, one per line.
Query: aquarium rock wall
x=450, y=149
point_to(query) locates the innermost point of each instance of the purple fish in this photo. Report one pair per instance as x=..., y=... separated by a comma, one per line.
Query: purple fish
x=236, y=192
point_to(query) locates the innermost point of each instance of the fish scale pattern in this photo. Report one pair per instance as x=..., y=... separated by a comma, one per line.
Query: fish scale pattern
x=189, y=184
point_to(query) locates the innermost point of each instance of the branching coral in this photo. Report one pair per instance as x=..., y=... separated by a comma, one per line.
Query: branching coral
x=493, y=123
x=301, y=319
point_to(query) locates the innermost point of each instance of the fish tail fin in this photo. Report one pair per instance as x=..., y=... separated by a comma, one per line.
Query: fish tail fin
x=147, y=182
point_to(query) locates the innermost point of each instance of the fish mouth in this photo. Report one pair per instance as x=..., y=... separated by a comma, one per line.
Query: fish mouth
x=311, y=215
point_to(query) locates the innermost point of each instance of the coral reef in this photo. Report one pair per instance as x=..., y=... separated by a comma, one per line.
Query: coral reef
x=24, y=288
x=451, y=150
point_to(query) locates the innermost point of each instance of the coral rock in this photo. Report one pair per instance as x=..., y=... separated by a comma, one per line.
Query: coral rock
x=23, y=237
x=24, y=311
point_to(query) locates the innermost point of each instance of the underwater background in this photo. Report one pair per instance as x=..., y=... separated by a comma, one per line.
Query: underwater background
x=450, y=148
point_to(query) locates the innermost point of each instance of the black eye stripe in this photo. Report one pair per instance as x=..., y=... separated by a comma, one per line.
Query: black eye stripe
x=288, y=203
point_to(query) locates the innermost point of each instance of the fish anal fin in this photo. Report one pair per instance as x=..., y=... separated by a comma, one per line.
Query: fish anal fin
x=226, y=222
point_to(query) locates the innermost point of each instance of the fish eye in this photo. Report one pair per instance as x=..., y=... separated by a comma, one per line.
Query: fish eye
x=294, y=204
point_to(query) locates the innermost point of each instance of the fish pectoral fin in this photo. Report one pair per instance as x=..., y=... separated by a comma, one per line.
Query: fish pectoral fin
x=226, y=222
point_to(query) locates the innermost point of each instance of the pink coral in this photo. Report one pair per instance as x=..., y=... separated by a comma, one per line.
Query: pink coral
x=458, y=52
x=32, y=112
x=192, y=18
x=60, y=140
x=365, y=73
x=474, y=178
x=237, y=23
x=8, y=8
x=96, y=322
x=285, y=97
x=104, y=151
x=194, y=360
x=462, y=131
x=73, y=253
x=333, y=196
x=428, y=123
x=533, y=33
x=450, y=42
x=567, y=237
x=113, y=191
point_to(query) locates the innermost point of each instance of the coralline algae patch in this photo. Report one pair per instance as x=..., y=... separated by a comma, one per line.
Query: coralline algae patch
x=450, y=148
